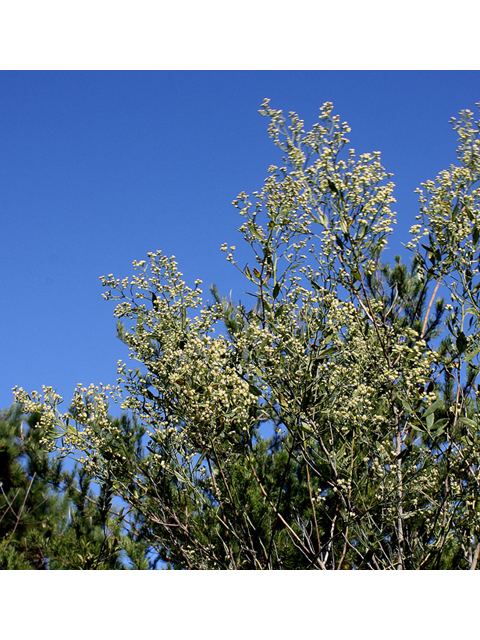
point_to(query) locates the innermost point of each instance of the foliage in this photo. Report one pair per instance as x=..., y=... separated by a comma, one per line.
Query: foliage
x=364, y=377
x=50, y=518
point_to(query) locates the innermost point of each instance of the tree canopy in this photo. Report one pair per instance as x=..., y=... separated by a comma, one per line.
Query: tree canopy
x=331, y=424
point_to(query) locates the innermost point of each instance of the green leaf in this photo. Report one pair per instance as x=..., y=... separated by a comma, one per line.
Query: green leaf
x=71, y=430
x=455, y=211
x=182, y=478
x=200, y=460
x=326, y=352
x=475, y=235
x=461, y=342
x=429, y=410
x=356, y=274
x=252, y=228
x=418, y=427
x=255, y=390
x=276, y=290
x=430, y=419
x=468, y=422
x=248, y=273
x=405, y=452
x=332, y=186
x=406, y=405
x=472, y=310
x=306, y=427
x=362, y=231
x=471, y=354
x=323, y=220
x=439, y=426
x=282, y=401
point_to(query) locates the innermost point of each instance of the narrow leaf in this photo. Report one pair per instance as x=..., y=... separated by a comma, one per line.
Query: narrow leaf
x=471, y=354
x=475, y=235
x=430, y=419
x=248, y=273
x=438, y=403
x=461, y=342
x=255, y=390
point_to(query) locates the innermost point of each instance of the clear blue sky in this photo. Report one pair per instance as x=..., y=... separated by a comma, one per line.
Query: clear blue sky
x=98, y=168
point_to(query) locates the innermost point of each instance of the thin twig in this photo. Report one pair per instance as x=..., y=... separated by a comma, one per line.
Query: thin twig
x=424, y=328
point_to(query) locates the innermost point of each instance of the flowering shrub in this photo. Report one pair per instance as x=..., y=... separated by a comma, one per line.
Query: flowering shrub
x=365, y=376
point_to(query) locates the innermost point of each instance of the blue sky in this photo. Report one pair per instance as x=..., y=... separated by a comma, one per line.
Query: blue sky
x=99, y=168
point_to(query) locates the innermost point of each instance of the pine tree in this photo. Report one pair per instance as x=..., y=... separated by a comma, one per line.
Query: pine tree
x=51, y=518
